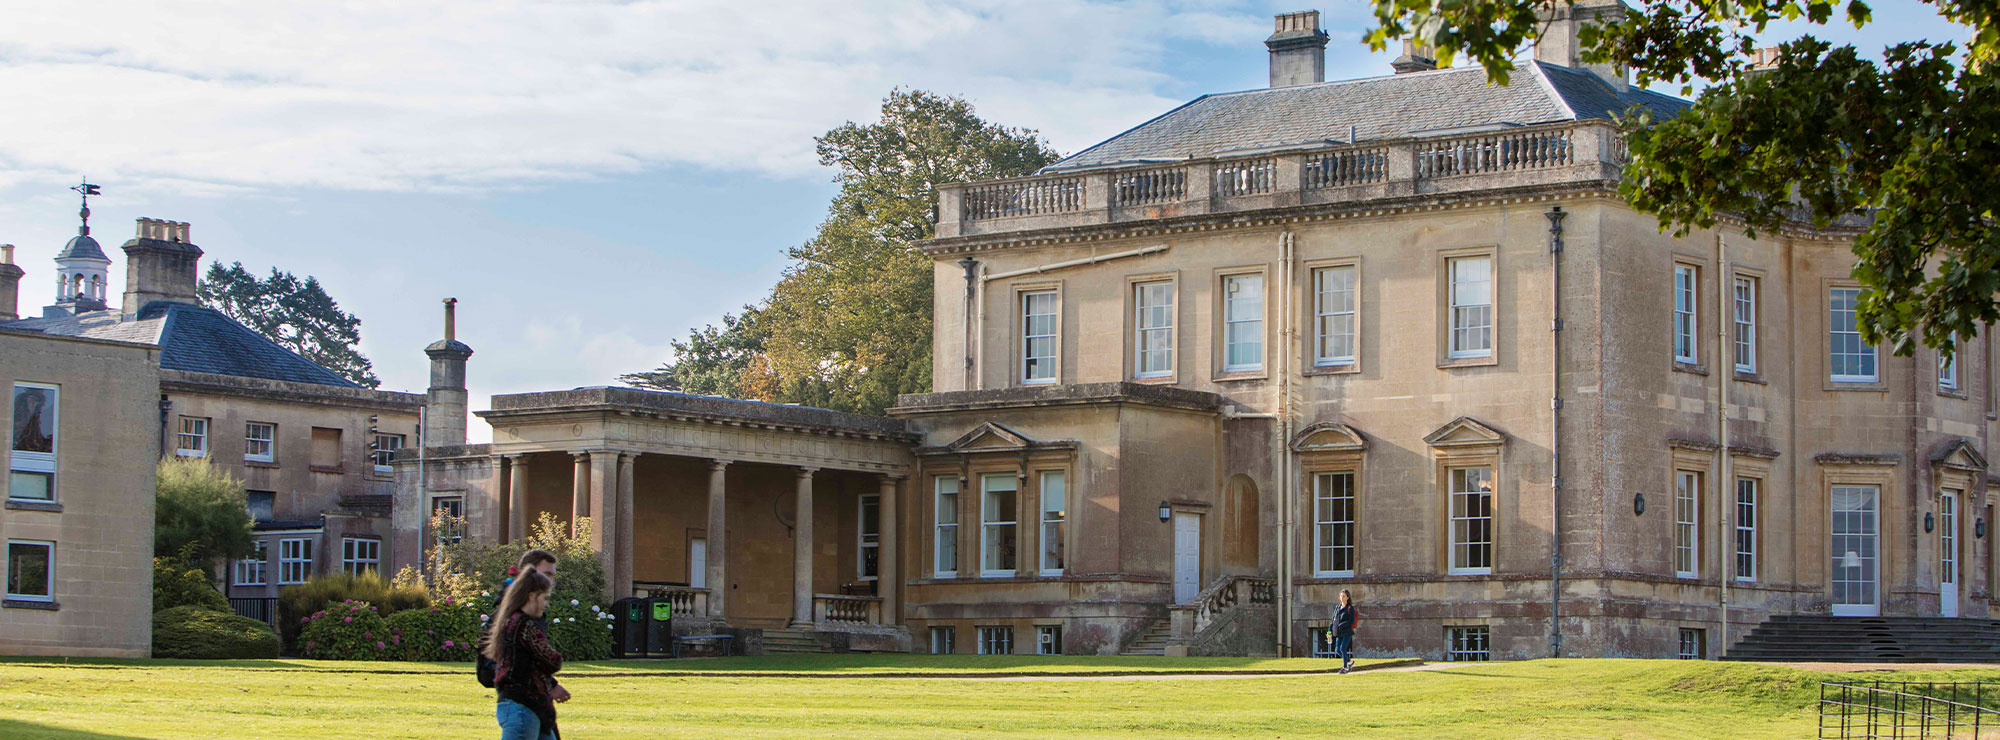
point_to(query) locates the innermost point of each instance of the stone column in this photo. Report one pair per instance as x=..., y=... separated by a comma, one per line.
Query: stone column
x=888, y=567
x=718, y=550
x=517, y=498
x=604, y=518
x=802, y=553
x=627, y=462
x=579, y=497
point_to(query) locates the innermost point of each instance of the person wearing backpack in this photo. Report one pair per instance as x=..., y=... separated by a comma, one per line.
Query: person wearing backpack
x=1345, y=617
x=539, y=561
x=524, y=662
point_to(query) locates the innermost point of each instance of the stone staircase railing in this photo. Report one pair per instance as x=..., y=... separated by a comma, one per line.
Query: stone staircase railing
x=1216, y=614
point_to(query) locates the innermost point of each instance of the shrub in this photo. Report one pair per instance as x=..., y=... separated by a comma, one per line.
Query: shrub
x=348, y=630
x=175, y=584
x=297, y=602
x=471, y=567
x=199, y=632
x=200, y=513
x=580, y=630
x=444, y=631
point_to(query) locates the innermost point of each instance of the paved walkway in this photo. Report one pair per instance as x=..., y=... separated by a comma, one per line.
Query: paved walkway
x=1865, y=667
x=1398, y=668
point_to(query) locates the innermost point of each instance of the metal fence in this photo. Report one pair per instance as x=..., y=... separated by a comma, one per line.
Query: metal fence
x=262, y=610
x=1913, y=710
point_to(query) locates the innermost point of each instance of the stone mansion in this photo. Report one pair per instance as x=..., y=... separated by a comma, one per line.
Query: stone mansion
x=1395, y=335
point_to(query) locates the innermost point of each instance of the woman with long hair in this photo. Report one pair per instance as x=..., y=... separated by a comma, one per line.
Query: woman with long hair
x=1344, y=619
x=524, y=663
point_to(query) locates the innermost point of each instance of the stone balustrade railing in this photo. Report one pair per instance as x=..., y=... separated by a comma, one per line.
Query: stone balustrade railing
x=686, y=599
x=1191, y=618
x=833, y=609
x=1488, y=160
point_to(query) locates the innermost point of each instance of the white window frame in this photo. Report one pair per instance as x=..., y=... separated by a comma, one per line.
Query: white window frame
x=944, y=640
x=378, y=457
x=268, y=443
x=990, y=528
x=1948, y=370
x=1468, y=643
x=1842, y=323
x=49, y=574
x=1746, y=324
x=1747, y=493
x=1144, y=326
x=944, y=539
x=1469, y=318
x=1455, y=477
x=1326, y=522
x=1687, y=314
x=1048, y=639
x=36, y=463
x=1239, y=312
x=865, y=540
x=451, y=502
x=252, y=571
x=351, y=555
x=1054, y=523
x=1693, y=644
x=295, y=560
x=192, y=429
x=1028, y=337
x=1329, y=307
x=998, y=636
x=1687, y=523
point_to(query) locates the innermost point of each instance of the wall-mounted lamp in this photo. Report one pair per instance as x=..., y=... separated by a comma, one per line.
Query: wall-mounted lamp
x=1930, y=522
x=1979, y=527
x=1638, y=504
x=1166, y=511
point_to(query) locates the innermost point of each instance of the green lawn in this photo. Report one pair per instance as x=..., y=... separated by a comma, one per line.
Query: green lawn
x=295, y=699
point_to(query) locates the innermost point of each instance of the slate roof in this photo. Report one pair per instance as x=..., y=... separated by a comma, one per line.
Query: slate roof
x=1370, y=108
x=82, y=247
x=195, y=339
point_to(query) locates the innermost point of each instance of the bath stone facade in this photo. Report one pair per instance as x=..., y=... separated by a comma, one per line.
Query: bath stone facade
x=77, y=525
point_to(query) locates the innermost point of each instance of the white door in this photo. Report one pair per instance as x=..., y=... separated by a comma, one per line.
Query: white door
x=1856, y=537
x=1187, y=556
x=698, y=562
x=1948, y=554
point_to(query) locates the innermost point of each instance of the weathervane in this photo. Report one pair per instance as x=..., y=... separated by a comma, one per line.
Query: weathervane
x=86, y=190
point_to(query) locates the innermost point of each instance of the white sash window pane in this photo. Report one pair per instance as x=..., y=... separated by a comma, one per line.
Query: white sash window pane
x=260, y=441
x=1471, y=521
x=1746, y=529
x=945, y=542
x=1948, y=368
x=193, y=437
x=1746, y=325
x=1038, y=337
x=1243, y=323
x=1850, y=359
x=1686, y=297
x=1334, y=309
x=1154, y=321
x=1055, y=515
x=1471, y=307
x=32, y=442
x=1687, y=529
x=1333, y=525
x=870, y=535
x=998, y=535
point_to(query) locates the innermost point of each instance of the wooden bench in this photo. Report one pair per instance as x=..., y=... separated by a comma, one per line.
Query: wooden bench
x=699, y=638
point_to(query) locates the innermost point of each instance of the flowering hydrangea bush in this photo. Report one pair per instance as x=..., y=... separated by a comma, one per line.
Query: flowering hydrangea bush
x=580, y=630
x=348, y=630
x=446, y=631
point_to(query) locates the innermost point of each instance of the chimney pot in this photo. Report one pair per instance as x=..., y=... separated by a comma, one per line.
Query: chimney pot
x=1298, y=49
x=1561, y=41
x=6, y=254
x=1416, y=58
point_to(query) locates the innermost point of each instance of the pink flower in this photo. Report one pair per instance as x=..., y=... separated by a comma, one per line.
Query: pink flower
x=380, y=646
x=447, y=643
x=346, y=619
x=311, y=644
x=369, y=635
x=303, y=620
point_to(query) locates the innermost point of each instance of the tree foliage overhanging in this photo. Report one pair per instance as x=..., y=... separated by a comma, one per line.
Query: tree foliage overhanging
x=297, y=314
x=1828, y=135
x=201, y=515
x=848, y=326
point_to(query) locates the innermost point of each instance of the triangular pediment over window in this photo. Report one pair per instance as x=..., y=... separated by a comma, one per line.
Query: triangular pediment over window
x=1465, y=431
x=991, y=436
x=1960, y=455
x=1329, y=436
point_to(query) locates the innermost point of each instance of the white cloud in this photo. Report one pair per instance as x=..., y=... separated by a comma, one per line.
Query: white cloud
x=479, y=94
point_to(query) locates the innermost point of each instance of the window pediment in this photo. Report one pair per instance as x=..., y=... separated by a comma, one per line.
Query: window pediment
x=991, y=437
x=1329, y=436
x=1960, y=455
x=1465, y=431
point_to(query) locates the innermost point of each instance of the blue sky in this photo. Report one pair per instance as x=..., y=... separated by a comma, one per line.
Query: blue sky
x=589, y=179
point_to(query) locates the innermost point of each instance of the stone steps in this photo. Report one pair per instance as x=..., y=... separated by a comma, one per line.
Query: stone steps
x=792, y=641
x=1813, y=638
x=1153, y=642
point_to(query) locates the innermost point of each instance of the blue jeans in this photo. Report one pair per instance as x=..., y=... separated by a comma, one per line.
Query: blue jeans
x=1343, y=647
x=519, y=723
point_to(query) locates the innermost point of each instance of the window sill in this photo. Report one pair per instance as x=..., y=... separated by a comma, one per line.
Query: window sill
x=190, y=454
x=1347, y=369
x=1865, y=386
x=1686, y=367
x=1750, y=377
x=1155, y=380
x=25, y=505
x=335, y=469
x=1458, y=362
x=1229, y=375
x=1958, y=394
x=46, y=606
x=260, y=464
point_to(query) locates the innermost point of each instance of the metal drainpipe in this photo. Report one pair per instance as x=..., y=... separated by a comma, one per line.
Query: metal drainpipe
x=1556, y=216
x=1725, y=489
x=1283, y=444
x=971, y=267
x=423, y=484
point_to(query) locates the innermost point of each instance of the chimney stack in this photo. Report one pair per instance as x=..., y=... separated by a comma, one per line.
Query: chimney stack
x=10, y=284
x=445, y=405
x=1416, y=58
x=1298, y=50
x=160, y=265
x=1561, y=44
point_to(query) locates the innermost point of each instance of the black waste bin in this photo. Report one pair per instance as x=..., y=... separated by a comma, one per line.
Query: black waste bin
x=660, y=627
x=630, y=618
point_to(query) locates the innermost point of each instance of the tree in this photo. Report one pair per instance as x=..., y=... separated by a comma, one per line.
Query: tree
x=848, y=326
x=297, y=314
x=201, y=515
x=1902, y=148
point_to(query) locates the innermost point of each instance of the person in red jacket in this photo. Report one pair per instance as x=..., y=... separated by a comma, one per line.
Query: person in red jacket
x=524, y=662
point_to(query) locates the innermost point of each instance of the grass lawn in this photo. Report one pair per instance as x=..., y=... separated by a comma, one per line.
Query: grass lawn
x=100, y=700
